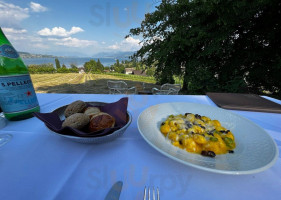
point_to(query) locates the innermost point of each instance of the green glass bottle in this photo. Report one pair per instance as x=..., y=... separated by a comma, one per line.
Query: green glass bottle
x=17, y=96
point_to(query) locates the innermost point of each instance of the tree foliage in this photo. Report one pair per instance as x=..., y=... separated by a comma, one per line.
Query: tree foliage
x=90, y=65
x=93, y=66
x=99, y=67
x=42, y=69
x=49, y=69
x=57, y=63
x=216, y=45
x=63, y=69
x=117, y=67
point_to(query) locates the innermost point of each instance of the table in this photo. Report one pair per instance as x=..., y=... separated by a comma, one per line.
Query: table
x=36, y=164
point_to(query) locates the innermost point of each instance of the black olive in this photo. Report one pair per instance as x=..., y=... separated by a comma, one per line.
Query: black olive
x=230, y=151
x=188, y=124
x=197, y=116
x=223, y=131
x=210, y=133
x=211, y=154
x=208, y=153
x=204, y=153
x=186, y=114
x=163, y=123
x=180, y=141
x=227, y=131
x=202, y=126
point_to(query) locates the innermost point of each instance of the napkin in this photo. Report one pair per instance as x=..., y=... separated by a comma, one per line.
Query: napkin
x=117, y=109
x=247, y=102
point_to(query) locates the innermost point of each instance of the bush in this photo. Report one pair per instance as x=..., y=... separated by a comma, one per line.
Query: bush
x=41, y=69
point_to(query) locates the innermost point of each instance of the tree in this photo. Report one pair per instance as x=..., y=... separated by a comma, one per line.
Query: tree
x=121, y=69
x=57, y=63
x=41, y=68
x=73, y=68
x=217, y=45
x=99, y=67
x=117, y=67
x=63, y=69
x=134, y=65
x=150, y=71
x=117, y=63
x=90, y=66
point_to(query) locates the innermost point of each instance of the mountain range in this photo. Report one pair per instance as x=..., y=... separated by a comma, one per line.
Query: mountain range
x=31, y=55
x=114, y=55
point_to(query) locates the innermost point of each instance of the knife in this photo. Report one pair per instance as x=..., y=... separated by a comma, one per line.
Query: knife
x=114, y=192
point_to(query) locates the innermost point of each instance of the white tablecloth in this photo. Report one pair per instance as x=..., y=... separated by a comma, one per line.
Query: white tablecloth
x=36, y=164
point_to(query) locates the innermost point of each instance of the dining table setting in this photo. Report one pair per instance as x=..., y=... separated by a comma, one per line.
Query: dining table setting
x=47, y=159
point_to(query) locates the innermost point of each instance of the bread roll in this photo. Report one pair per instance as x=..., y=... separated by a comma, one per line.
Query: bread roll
x=101, y=121
x=77, y=120
x=75, y=107
x=90, y=111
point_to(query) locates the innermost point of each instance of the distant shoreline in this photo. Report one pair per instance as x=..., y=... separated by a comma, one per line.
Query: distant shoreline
x=79, y=62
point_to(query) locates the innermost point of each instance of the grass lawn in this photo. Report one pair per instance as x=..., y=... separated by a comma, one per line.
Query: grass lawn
x=85, y=83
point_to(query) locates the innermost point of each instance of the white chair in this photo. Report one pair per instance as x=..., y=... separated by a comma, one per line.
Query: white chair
x=120, y=87
x=167, y=88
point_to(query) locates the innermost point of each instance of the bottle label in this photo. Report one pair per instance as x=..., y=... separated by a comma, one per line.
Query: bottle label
x=8, y=51
x=17, y=94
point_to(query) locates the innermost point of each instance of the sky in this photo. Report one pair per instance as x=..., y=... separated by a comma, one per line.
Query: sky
x=73, y=27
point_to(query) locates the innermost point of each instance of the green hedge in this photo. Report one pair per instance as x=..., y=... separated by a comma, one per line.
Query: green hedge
x=41, y=69
x=49, y=69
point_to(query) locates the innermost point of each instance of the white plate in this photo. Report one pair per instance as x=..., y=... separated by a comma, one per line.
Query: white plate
x=255, y=150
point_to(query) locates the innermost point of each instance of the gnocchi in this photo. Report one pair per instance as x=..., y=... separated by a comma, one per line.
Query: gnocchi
x=198, y=134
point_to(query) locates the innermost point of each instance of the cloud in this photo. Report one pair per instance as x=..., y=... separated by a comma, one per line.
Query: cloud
x=59, y=31
x=12, y=30
x=11, y=14
x=15, y=34
x=41, y=46
x=131, y=41
x=114, y=47
x=73, y=42
x=22, y=37
x=128, y=44
x=22, y=40
x=36, y=7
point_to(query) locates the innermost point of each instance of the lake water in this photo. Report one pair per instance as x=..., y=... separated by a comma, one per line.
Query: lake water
x=79, y=62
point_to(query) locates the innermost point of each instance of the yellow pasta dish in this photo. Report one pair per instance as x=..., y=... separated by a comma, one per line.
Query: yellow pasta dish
x=198, y=134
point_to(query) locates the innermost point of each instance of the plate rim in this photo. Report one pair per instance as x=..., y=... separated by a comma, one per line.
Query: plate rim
x=219, y=171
